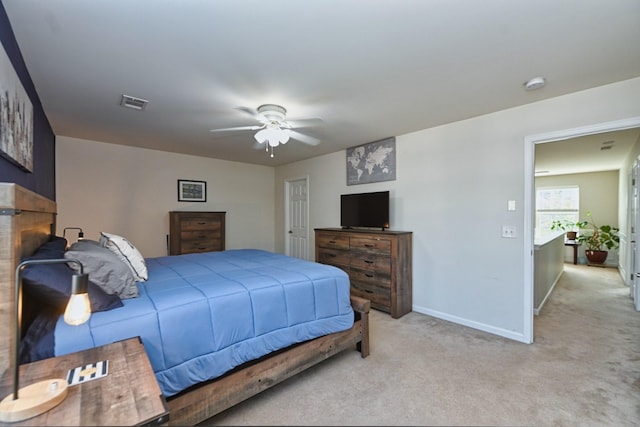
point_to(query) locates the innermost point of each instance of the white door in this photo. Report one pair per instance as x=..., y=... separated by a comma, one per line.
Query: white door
x=297, y=218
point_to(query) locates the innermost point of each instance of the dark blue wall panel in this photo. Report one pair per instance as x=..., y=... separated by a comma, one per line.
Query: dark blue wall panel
x=43, y=178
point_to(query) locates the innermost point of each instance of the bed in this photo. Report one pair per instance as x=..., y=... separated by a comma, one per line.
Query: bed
x=300, y=314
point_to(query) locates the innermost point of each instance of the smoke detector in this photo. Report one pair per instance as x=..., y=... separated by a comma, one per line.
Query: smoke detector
x=534, y=83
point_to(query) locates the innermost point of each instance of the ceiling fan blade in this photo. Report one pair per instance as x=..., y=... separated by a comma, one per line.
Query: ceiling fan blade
x=304, y=123
x=251, y=111
x=309, y=140
x=254, y=127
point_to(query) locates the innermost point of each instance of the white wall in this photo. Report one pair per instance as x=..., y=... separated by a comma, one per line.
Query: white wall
x=451, y=190
x=130, y=191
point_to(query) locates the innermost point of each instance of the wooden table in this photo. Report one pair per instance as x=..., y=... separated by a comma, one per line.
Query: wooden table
x=574, y=244
x=128, y=395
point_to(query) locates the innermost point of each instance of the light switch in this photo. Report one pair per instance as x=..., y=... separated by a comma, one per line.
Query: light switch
x=511, y=205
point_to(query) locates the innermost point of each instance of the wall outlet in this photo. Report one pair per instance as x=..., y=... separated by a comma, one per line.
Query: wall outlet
x=509, y=231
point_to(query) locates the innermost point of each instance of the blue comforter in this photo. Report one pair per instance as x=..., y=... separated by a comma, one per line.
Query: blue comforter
x=201, y=315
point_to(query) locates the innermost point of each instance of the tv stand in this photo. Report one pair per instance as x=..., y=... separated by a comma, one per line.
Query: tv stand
x=378, y=263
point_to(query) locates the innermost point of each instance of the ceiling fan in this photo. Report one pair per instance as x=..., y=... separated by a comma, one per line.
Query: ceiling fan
x=273, y=128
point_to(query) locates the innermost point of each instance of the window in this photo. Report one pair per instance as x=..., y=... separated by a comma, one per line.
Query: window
x=556, y=203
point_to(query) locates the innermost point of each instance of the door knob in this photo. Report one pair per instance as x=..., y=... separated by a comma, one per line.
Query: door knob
x=290, y=232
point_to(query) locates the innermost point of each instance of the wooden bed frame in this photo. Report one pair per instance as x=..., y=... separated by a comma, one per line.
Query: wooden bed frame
x=27, y=220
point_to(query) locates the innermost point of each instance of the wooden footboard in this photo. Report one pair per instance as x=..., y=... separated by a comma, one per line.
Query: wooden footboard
x=206, y=400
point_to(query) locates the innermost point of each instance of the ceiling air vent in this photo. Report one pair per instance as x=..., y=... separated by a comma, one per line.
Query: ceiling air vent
x=133, y=102
x=607, y=145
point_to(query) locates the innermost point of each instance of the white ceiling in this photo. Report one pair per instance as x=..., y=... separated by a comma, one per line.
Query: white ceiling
x=592, y=153
x=368, y=68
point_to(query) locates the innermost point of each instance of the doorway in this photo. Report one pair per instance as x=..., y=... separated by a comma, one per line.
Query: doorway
x=529, y=206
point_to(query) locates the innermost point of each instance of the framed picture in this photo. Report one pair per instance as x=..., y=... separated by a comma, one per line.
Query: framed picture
x=16, y=117
x=192, y=191
x=372, y=162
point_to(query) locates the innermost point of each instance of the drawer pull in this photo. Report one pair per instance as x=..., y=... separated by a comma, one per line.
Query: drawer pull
x=369, y=275
x=368, y=261
x=332, y=241
x=202, y=223
x=332, y=255
x=367, y=245
x=368, y=291
x=203, y=236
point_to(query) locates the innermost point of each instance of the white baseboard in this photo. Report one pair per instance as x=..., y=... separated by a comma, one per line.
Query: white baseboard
x=536, y=311
x=514, y=335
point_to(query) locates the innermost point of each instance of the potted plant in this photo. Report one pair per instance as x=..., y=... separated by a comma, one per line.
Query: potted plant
x=569, y=226
x=599, y=240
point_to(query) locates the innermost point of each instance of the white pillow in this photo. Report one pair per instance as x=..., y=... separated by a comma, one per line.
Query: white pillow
x=127, y=253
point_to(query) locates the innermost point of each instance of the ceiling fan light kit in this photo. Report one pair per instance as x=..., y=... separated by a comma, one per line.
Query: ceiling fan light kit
x=273, y=134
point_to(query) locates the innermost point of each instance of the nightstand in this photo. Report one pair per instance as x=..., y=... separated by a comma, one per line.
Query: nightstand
x=128, y=395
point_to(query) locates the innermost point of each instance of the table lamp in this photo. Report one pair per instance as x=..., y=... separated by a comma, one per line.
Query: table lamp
x=80, y=232
x=40, y=397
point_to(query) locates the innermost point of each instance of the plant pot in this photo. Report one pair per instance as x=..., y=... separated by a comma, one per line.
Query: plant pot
x=571, y=235
x=596, y=257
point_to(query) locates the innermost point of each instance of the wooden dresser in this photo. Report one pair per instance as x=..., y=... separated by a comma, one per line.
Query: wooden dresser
x=378, y=264
x=191, y=232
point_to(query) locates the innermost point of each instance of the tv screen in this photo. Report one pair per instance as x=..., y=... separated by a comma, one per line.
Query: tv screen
x=365, y=210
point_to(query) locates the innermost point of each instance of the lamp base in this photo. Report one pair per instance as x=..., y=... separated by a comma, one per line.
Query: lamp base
x=33, y=400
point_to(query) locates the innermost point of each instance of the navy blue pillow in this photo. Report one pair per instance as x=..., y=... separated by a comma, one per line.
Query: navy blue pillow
x=51, y=283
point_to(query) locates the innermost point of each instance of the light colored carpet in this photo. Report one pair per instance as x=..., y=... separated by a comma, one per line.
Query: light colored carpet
x=582, y=370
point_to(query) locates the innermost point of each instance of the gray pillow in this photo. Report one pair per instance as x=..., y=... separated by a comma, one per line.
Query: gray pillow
x=105, y=269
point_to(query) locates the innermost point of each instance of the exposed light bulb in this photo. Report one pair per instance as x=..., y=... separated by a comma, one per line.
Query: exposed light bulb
x=78, y=309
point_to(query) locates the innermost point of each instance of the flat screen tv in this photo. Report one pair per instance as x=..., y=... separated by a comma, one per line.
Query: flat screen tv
x=370, y=210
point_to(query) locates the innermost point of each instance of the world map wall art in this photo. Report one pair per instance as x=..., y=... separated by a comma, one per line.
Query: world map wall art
x=372, y=162
x=16, y=117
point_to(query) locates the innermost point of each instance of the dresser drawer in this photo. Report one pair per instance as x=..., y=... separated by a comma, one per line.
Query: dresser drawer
x=379, y=295
x=335, y=257
x=201, y=234
x=195, y=224
x=201, y=245
x=337, y=241
x=382, y=279
x=371, y=261
x=373, y=245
